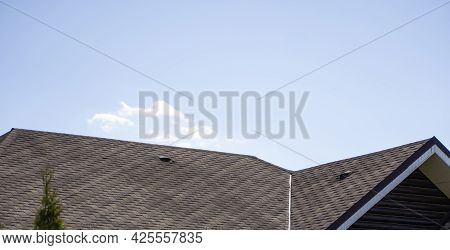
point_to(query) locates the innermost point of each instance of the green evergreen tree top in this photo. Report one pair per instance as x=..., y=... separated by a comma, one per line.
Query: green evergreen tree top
x=48, y=216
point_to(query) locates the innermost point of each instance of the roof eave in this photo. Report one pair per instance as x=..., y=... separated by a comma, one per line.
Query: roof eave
x=337, y=224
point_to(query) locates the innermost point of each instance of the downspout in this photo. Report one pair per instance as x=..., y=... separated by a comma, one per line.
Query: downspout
x=289, y=202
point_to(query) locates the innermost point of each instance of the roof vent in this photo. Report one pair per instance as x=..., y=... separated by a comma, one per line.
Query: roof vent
x=165, y=159
x=345, y=175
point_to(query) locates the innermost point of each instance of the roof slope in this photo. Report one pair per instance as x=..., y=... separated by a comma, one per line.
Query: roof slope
x=319, y=198
x=110, y=184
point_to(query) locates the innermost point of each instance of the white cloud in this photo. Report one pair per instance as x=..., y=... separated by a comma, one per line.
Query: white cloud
x=123, y=122
x=107, y=122
x=126, y=114
x=110, y=118
x=159, y=108
x=127, y=111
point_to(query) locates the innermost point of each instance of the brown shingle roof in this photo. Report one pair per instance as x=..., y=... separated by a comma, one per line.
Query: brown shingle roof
x=319, y=197
x=110, y=184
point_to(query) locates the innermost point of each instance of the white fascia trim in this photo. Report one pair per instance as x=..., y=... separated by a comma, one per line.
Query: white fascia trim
x=289, y=202
x=433, y=150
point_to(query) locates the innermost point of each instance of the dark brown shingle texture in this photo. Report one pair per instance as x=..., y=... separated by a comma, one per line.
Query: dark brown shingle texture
x=109, y=184
x=319, y=197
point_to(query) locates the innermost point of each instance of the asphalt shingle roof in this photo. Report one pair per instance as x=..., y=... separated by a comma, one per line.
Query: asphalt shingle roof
x=319, y=197
x=111, y=184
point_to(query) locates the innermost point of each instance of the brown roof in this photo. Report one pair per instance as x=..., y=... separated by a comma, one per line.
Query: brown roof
x=319, y=197
x=111, y=184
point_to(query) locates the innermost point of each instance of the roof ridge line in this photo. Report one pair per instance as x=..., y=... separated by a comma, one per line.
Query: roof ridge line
x=372, y=153
x=161, y=145
x=121, y=140
x=273, y=165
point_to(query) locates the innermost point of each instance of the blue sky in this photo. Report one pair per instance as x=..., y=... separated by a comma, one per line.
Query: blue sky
x=392, y=92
